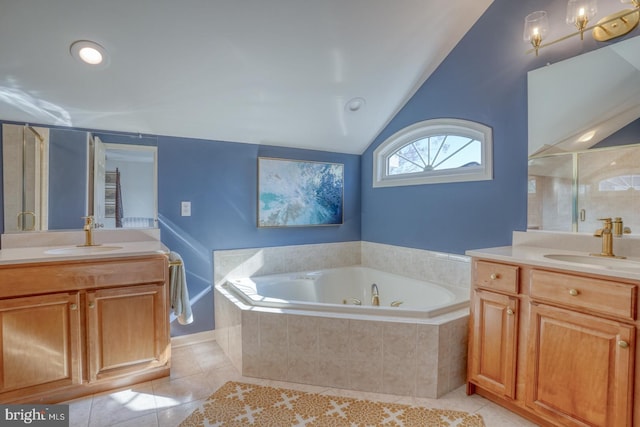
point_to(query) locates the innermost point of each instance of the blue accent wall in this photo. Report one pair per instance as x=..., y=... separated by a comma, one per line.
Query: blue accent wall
x=483, y=79
x=220, y=179
x=67, y=178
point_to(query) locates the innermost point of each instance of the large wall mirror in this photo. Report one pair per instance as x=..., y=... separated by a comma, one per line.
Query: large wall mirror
x=584, y=140
x=53, y=176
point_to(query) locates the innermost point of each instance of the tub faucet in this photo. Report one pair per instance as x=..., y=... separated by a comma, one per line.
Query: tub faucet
x=375, y=300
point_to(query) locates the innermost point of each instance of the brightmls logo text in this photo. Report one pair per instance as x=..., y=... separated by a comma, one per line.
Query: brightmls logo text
x=35, y=415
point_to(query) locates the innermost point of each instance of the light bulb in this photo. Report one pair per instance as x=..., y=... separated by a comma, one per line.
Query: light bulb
x=90, y=55
x=89, y=52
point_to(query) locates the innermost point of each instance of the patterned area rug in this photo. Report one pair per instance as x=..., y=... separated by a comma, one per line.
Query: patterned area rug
x=242, y=404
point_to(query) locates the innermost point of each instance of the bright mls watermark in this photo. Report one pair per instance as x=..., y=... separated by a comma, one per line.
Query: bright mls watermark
x=34, y=415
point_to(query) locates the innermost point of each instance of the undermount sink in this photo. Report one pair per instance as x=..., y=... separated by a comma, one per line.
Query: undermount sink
x=597, y=262
x=81, y=250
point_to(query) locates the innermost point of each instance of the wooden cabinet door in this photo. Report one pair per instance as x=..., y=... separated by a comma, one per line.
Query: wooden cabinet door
x=40, y=344
x=579, y=368
x=127, y=330
x=493, y=344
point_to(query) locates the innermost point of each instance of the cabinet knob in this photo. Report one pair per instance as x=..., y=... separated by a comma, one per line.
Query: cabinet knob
x=494, y=276
x=92, y=304
x=573, y=292
x=73, y=306
x=509, y=311
x=623, y=344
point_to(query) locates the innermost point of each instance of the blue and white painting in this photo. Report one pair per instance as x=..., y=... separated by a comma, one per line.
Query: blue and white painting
x=299, y=193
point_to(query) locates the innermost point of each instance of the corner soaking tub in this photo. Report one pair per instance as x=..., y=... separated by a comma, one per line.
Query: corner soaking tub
x=305, y=328
x=350, y=290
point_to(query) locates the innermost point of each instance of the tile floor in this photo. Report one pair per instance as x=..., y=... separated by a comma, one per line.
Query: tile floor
x=200, y=369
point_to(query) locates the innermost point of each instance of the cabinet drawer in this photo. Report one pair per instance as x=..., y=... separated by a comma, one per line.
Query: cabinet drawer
x=602, y=296
x=501, y=277
x=26, y=279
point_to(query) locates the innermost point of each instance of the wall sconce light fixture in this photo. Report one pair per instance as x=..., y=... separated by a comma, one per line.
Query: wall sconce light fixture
x=579, y=13
x=536, y=25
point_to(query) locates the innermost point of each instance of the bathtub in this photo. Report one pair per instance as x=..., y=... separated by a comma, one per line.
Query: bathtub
x=349, y=290
x=417, y=349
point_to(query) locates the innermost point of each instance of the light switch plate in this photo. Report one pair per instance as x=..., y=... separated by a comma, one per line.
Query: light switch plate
x=185, y=208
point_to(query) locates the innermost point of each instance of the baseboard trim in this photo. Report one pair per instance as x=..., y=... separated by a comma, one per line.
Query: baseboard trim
x=198, y=337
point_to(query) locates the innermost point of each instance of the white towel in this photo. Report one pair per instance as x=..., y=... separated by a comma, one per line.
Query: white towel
x=178, y=289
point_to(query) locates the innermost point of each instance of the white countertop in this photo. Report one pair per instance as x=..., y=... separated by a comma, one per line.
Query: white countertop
x=534, y=255
x=22, y=255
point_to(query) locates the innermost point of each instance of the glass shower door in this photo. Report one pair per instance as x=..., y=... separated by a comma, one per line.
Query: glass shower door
x=609, y=187
x=25, y=170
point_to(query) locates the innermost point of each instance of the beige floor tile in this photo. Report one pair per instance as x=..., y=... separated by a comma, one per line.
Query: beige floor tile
x=181, y=390
x=173, y=416
x=495, y=415
x=79, y=411
x=200, y=369
x=149, y=420
x=184, y=363
x=110, y=409
x=212, y=360
x=217, y=377
x=456, y=400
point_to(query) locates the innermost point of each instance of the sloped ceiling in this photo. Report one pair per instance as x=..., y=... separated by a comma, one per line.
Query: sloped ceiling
x=277, y=72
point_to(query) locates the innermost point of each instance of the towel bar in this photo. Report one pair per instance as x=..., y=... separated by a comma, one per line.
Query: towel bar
x=173, y=263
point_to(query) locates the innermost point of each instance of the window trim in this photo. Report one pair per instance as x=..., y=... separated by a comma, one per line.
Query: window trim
x=427, y=128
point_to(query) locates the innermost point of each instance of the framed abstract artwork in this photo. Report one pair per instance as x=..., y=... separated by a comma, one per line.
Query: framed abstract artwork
x=296, y=193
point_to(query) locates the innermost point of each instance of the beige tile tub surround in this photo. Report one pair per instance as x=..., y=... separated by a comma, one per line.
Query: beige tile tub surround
x=402, y=357
x=436, y=267
x=232, y=264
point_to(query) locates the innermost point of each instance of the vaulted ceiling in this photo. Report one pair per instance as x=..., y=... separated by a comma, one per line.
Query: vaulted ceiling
x=277, y=72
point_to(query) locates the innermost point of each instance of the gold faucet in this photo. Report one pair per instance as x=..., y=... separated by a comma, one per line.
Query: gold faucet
x=375, y=299
x=617, y=227
x=89, y=225
x=606, y=234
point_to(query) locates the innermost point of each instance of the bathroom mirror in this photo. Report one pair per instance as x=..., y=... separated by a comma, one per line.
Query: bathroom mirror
x=583, y=124
x=48, y=178
x=578, y=103
x=123, y=176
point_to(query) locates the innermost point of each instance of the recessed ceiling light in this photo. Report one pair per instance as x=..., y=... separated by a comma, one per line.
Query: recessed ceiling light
x=587, y=136
x=355, y=104
x=89, y=52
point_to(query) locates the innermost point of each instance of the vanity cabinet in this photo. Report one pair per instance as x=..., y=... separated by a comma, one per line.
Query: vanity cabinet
x=570, y=360
x=494, y=325
x=495, y=333
x=126, y=330
x=74, y=328
x=40, y=345
x=579, y=367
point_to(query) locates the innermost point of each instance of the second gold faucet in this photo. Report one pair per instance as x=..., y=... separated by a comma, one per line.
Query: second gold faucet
x=606, y=233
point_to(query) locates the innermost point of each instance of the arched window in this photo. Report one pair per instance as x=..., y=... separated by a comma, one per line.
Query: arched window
x=620, y=183
x=434, y=151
